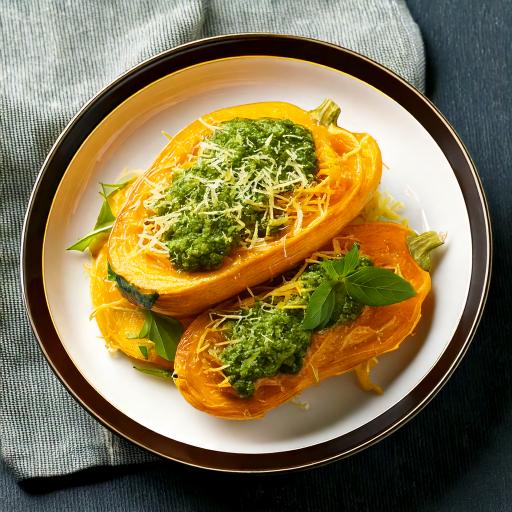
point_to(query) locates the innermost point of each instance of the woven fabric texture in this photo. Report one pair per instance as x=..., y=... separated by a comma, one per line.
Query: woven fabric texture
x=55, y=56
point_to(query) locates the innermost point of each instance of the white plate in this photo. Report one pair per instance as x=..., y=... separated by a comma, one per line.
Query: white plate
x=417, y=173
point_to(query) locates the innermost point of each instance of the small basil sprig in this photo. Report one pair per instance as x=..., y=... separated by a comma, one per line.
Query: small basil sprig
x=105, y=219
x=320, y=306
x=372, y=286
x=164, y=331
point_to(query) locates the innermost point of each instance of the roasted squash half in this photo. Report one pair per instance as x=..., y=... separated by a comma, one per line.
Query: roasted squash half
x=332, y=351
x=349, y=171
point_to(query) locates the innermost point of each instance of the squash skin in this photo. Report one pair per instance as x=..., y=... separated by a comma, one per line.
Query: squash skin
x=355, y=176
x=116, y=324
x=333, y=351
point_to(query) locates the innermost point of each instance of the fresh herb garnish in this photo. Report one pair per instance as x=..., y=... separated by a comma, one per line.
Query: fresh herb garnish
x=91, y=238
x=368, y=285
x=156, y=372
x=163, y=331
x=144, y=351
x=105, y=219
x=374, y=286
x=320, y=306
x=348, y=263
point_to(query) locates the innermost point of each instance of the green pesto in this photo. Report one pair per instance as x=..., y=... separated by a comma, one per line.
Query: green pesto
x=267, y=340
x=224, y=197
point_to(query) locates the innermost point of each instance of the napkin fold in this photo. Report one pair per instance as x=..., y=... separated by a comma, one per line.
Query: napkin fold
x=55, y=56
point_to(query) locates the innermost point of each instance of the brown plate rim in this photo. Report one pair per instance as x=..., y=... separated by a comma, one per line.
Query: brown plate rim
x=237, y=45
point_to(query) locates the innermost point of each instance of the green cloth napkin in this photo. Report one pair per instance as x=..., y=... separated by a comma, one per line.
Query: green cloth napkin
x=55, y=55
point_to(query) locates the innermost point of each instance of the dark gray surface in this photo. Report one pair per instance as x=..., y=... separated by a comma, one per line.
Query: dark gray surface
x=457, y=454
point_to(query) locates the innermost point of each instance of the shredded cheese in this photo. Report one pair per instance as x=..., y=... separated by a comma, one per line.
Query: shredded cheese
x=307, y=203
x=363, y=376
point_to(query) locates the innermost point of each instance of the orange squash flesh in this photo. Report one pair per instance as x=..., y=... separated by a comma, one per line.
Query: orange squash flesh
x=116, y=317
x=333, y=351
x=351, y=160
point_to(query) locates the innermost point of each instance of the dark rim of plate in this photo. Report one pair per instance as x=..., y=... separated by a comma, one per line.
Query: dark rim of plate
x=235, y=46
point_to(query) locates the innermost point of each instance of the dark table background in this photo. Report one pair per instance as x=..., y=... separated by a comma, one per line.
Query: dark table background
x=457, y=453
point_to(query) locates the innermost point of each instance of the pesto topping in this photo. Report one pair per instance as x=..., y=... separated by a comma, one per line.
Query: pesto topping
x=236, y=190
x=267, y=340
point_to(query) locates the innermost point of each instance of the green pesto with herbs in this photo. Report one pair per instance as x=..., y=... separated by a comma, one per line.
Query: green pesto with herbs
x=265, y=342
x=268, y=340
x=345, y=309
x=234, y=192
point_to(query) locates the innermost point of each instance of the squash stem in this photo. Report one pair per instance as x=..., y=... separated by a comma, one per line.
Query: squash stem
x=421, y=247
x=327, y=113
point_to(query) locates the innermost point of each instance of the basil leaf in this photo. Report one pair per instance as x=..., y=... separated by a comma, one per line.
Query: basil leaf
x=375, y=286
x=328, y=309
x=105, y=216
x=110, y=189
x=351, y=260
x=346, y=265
x=316, y=311
x=155, y=372
x=87, y=240
x=330, y=269
x=163, y=331
x=144, y=351
x=146, y=326
x=105, y=219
